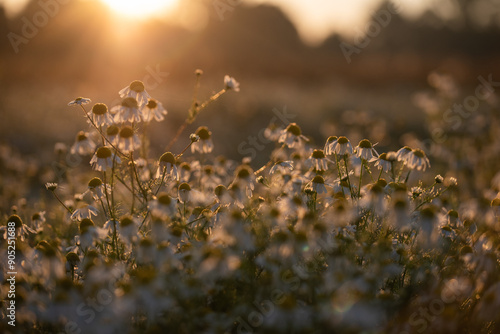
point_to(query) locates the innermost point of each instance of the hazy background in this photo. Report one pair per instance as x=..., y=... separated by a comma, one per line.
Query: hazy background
x=283, y=52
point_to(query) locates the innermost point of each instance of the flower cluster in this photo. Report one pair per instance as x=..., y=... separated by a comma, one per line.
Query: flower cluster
x=337, y=238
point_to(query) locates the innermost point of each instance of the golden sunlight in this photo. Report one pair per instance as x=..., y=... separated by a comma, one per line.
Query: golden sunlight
x=140, y=9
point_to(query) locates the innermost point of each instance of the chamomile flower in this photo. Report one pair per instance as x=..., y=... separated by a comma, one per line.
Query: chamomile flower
x=84, y=211
x=83, y=144
x=341, y=146
x=137, y=91
x=79, y=101
x=128, y=140
x=245, y=177
x=384, y=162
x=153, y=110
x=231, y=83
x=292, y=136
x=167, y=166
x=128, y=229
x=365, y=151
x=127, y=111
x=330, y=145
x=162, y=206
x=418, y=160
x=403, y=153
x=38, y=219
x=318, y=185
x=103, y=159
x=89, y=233
x=204, y=144
x=96, y=187
x=100, y=115
x=112, y=134
x=284, y=167
x=318, y=160
x=184, y=192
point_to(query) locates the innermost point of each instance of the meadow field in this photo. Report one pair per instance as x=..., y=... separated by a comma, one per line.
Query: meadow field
x=266, y=196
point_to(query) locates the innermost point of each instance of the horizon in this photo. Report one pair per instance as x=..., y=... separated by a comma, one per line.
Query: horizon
x=315, y=20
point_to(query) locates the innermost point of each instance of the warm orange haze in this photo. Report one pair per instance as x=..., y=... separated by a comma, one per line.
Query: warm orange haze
x=249, y=166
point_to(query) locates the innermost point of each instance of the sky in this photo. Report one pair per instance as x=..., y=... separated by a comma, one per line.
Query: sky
x=315, y=20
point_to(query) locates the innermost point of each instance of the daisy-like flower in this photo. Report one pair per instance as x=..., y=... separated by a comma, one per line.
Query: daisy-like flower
x=153, y=110
x=85, y=211
x=79, y=101
x=222, y=196
x=88, y=233
x=365, y=151
x=128, y=229
x=341, y=146
x=385, y=161
x=38, y=219
x=51, y=186
x=273, y=132
x=204, y=144
x=292, y=136
x=100, y=115
x=231, y=83
x=318, y=185
x=184, y=192
x=96, y=187
x=103, y=159
x=112, y=134
x=21, y=230
x=83, y=144
x=245, y=177
x=167, y=166
x=128, y=140
x=127, y=111
x=318, y=160
x=418, y=160
x=163, y=206
x=137, y=91
x=282, y=166
x=403, y=153
x=330, y=145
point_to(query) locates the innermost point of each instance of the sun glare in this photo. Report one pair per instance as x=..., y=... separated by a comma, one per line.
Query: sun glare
x=140, y=9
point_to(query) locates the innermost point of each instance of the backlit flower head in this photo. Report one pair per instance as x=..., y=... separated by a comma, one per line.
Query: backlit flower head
x=204, y=144
x=84, y=211
x=103, y=159
x=167, y=166
x=100, y=115
x=318, y=185
x=318, y=160
x=292, y=136
x=96, y=187
x=365, y=151
x=341, y=146
x=418, y=160
x=330, y=145
x=231, y=83
x=127, y=111
x=162, y=206
x=128, y=141
x=137, y=91
x=37, y=219
x=153, y=110
x=403, y=153
x=383, y=162
x=184, y=192
x=283, y=167
x=112, y=134
x=79, y=101
x=83, y=144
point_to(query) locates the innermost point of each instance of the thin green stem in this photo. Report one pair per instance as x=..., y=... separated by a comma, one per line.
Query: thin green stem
x=64, y=205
